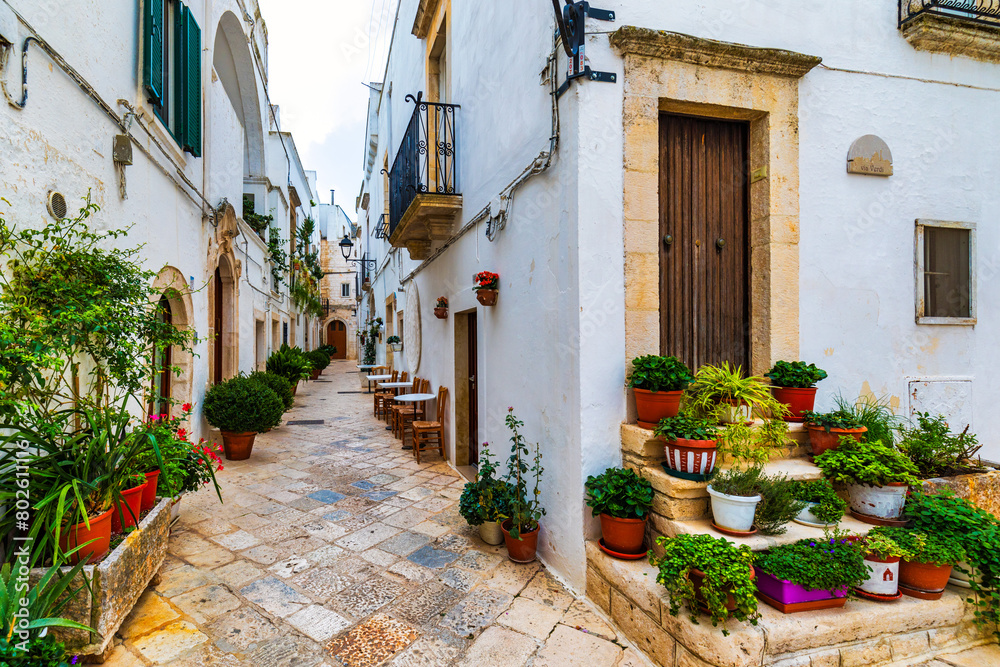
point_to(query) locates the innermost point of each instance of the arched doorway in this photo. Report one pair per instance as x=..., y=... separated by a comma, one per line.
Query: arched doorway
x=224, y=349
x=162, y=364
x=336, y=335
x=174, y=368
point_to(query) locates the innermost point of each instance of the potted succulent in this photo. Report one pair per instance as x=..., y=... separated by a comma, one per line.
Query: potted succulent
x=826, y=429
x=877, y=477
x=703, y=573
x=520, y=526
x=728, y=395
x=658, y=384
x=395, y=343
x=241, y=408
x=823, y=508
x=927, y=565
x=810, y=574
x=794, y=384
x=882, y=556
x=735, y=494
x=622, y=499
x=487, y=287
x=441, y=308
x=690, y=446
x=487, y=499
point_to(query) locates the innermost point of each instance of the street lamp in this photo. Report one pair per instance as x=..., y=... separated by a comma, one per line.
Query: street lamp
x=346, y=246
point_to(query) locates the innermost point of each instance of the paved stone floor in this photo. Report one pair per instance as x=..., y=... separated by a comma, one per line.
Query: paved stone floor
x=334, y=547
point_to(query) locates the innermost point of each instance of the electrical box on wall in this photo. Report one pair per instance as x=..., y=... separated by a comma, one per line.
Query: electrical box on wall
x=8, y=25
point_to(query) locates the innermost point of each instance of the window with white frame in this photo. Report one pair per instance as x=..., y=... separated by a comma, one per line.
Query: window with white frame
x=345, y=289
x=946, y=272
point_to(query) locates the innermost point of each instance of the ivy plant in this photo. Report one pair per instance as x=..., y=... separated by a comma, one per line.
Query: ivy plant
x=925, y=546
x=656, y=373
x=687, y=428
x=829, y=506
x=620, y=493
x=827, y=564
x=795, y=374
x=870, y=463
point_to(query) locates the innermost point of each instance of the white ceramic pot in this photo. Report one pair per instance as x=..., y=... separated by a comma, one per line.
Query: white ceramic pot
x=175, y=510
x=491, y=533
x=807, y=518
x=961, y=579
x=884, y=502
x=884, y=578
x=735, y=414
x=733, y=512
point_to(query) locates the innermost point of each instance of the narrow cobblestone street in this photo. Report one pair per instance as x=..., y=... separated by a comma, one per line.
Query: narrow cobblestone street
x=334, y=547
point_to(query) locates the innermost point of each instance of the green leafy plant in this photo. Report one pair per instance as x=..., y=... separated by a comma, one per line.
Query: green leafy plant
x=870, y=463
x=392, y=340
x=925, y=546
x=368, y=336
x=881, y=545
x=829, y=420
x=328, y=349
x=42, y=603
x=487, y=498
x=277, y=255
x=686, y=427
x=276, y=383
x=753, y=443
x=256, y=221
x=290, y=363
x=778, y=504
x=716, y=386
x=739, y=481
x=525, y=510
x=829, y=506
x=242, y=405
x=830, y=563
x=42, y=652
x=656, y=373
x=318, y=360
x=796, y=374
x=875, y=414
x=727, y=571
x=620, y=493
x=936, y=451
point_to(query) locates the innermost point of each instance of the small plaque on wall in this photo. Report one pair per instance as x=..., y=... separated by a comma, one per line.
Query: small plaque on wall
x=869, y=155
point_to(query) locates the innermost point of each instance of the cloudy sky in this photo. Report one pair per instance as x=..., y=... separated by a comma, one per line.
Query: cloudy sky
x=320, y=53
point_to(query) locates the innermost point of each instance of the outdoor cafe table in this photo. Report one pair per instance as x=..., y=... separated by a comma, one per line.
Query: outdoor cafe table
x=393, y=385
x=376, y=378
x=413, y=398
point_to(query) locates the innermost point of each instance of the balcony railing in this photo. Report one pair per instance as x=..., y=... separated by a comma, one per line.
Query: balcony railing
x=427, y=157
x=382, y=228
x=984, y=12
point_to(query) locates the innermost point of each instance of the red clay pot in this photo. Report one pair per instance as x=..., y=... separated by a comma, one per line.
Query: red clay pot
x=238, y=446
x=441, y=313
x=487, y=297
x=652, y=406
x=624, y=536
x=295, y=387
x=697, y=577
x=798, y=400
x=149, y=493
x=315, y=375
x=100, y=532
x=693, y=456
x=131, y=500
x=522, y=550
x=924, y=576
x=821, y=441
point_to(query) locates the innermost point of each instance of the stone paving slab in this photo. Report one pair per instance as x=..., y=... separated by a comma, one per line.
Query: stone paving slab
x=334, y=548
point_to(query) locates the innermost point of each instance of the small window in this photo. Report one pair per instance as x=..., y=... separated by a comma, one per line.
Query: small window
x=946, y=279
x=345, y=289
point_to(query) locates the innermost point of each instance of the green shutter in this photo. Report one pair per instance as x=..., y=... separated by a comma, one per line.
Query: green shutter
x=152, y=67
x=190, y=43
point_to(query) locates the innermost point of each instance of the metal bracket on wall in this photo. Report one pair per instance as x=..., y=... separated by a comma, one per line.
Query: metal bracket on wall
x=572, y=29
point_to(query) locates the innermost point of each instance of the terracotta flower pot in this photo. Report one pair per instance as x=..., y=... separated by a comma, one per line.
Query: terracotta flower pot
x=652, y=406
x=821, y=441
x=925, y=577
x=99, y=532
x=691, y=456
x=238, y=446
x=131, y=500
x=441, y=313
x=697, y=579
x=520, y=550
x=624, y=536
x=487, y=297
x=149, y=493
x=799, y=401
x=315, y=375
x=295, y=387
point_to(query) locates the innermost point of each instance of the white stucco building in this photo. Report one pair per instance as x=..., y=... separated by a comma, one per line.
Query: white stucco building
x=184, y=84
x=689, y=194
x=341, y=285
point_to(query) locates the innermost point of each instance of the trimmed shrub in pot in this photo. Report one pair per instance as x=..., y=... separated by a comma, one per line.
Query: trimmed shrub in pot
x=486, y=501
x=819, y=571
x=929, y=559
x=706, y=574
x=876, y=476
x=826, y=429
x=690, y=444
x=241, y=408
x=276, y=383
x=794, y=384
x=318, y=361
x=823, y=506
x=658, y=384
x=520, y=527
x=622, y=499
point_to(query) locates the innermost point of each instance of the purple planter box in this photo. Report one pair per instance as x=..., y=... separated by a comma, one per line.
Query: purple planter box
x=789, y=593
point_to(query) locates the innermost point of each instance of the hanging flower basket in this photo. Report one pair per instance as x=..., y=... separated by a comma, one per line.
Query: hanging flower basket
x=487, y=287
x=441, y=308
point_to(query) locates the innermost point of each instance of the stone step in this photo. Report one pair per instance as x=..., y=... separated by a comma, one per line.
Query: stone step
x=908, y=632
x=758, y=542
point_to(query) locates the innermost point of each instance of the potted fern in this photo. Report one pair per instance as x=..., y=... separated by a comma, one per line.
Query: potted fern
x=622, y=499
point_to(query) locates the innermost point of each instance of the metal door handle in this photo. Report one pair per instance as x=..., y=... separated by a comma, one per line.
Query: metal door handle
x=668, y=240
x=719, y=243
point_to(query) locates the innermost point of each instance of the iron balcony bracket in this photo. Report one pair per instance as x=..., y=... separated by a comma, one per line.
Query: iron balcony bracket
x=572, y=29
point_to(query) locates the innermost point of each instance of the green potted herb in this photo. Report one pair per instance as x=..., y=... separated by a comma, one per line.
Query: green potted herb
x=794, y=384
x=485, y=501
x=877, y=477
x=690, y=445
x=735, y=494
x=927, y=565
x=882, y=557
x=658, y=384
x=700, y=571
x=241, y=408
x=826, y=429
x=936, y=451
x=811, y=573
x=823, y=508
x=778, y=504
x=622, y=499
x=520, y=526
x=395, y=343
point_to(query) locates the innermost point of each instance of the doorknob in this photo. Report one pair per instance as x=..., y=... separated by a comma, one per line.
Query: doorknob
x=668, y=240
x=719, y=243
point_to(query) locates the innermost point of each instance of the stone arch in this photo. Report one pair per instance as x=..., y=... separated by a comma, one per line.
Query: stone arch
x=223, y=298
x=171, y=285
x=343, y=342
x=233, y=62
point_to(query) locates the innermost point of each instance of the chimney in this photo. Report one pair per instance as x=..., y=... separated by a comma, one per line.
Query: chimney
x=332, y=197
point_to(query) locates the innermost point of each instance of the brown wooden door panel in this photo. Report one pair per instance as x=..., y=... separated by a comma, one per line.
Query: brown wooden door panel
x=473, y=346
x=704, y=288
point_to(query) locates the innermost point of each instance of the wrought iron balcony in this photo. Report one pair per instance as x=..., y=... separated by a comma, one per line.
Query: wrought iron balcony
x=382, y=228
x=424, y=193
x=960, y=27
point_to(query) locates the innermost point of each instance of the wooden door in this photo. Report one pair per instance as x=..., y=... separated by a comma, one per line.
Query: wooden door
x=217, y=365
x=704, y=241
x=337, y=336
x=473, y=391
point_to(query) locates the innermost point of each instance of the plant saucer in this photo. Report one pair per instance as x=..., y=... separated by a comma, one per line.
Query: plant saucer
x=815, y=525
x=876, y=597
x=877, y=520
x=961, y=583
x=920, y=594
x=734, y=533
x=690, y=476
x=649, y=426
x=621, y=556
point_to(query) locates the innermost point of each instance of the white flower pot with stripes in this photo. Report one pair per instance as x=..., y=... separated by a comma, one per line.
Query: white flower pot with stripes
x=695, y=457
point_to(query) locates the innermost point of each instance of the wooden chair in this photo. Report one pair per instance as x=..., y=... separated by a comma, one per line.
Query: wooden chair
x=380, y=397
x=394, y=419
x=430, y=435
x=415, y=411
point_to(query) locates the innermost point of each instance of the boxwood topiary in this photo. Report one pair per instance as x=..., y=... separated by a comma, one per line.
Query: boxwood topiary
x=620, y=493
x=242, y=405
x=318, y=359
x=276, y=383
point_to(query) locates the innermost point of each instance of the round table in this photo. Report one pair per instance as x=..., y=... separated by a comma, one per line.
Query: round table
x=413, y=398
x=376, y=378
x=394, y=385
x=365, y=367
